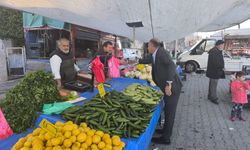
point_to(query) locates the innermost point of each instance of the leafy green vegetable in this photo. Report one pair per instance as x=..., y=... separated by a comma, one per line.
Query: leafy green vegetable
x=23, y=103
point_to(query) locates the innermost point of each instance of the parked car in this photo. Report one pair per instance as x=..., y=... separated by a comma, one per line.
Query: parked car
x=131, y=53
x=196, y=58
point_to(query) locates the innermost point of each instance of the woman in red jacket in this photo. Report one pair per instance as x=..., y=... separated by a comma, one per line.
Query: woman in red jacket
x=239, y=89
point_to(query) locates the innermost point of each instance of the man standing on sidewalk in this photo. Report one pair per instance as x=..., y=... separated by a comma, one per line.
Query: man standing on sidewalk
x=215, y=70
x=165, y=76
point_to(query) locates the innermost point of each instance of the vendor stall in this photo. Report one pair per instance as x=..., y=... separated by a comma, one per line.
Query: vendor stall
x=117, y=84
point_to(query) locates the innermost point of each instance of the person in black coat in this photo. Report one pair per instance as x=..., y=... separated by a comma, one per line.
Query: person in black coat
x=215, y=69
x=165, y=76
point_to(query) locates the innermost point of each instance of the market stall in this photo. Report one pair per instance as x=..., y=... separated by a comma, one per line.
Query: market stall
x=117, y=84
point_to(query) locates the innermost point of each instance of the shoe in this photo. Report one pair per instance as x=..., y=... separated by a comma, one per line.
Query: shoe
x=232, y=118
x=159, y=131
x=161, y=140
x=242, y=119
x=215, y=101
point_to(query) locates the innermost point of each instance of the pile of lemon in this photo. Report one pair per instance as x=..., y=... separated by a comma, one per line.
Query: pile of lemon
x=69, y=137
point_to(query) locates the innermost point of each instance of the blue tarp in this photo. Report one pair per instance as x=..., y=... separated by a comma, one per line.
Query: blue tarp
x=118, y=84
x=36, y=21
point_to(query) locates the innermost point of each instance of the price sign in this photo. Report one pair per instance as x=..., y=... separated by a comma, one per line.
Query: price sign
x=48, y=126
x=101, y=89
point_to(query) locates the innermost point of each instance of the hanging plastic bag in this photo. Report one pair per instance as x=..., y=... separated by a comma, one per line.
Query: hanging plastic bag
x=114, y=67
x=5, y=130
x=98, y=69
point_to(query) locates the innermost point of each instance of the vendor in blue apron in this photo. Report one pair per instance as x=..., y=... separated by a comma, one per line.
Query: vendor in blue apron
x=62, y=63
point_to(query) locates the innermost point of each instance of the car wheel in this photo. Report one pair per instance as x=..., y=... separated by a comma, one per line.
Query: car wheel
x=190, y=67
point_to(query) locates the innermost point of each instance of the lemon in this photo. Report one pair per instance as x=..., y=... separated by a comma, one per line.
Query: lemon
x=84, y=145
x=68, y=127
x=55, y=141
x=76, y=132
x=41, y=136
x=49, y=143
x=67, y=143
x=81, y=129
x=42, y=131
x=96, y=139
x=37, y=142
x=73, y=138
x=90, y=133
x=57, y=148
x=87, y=129
x=100, y=133
x=67, y=134
x=75, y=126
x=105, y=136
x=88, y=140
x=101, y=145
x=108, y=141
x=116, y=141
x=62, y=139
x=18, y=145
x=69, y=122
x=37, y=131
x=109, y=147
x=29, y=135
x=48, y=136
x=76, y=146
x=27, y=144
x=117, y=148
x=84, y=125
x=81, y=137
x=38, y=148
x=122, y=144
x=94, y=146
x=25, y=148
x=48, y=148
x=115, y=137
x=59, y=124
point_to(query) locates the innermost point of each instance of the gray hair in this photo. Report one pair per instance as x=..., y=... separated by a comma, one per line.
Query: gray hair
x=58, y=42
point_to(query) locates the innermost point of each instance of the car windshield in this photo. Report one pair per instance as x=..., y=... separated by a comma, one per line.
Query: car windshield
x=194, y=45
x=226, y=54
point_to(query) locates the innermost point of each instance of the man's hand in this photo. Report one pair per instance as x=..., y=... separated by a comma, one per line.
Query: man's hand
x=168, y=91
x=59, y=84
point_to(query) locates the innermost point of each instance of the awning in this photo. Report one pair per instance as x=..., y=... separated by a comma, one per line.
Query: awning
x=36, y=21
x=165, y=19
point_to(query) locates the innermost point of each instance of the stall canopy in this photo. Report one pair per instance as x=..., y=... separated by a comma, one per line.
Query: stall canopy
x=36, y=21
x=165, y=19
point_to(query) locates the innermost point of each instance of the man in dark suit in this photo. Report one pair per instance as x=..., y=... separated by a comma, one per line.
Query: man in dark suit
x=215, y=70
x=165, y=76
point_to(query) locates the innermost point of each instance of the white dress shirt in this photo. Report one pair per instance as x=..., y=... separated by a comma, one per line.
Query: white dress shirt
x=154, y=54
x=55, y=64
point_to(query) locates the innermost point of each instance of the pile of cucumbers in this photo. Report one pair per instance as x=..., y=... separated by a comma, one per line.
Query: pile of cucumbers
x=143, y=93
x=115, y=113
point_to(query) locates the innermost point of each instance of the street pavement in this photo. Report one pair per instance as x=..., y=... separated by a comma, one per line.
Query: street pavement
x=202, y=125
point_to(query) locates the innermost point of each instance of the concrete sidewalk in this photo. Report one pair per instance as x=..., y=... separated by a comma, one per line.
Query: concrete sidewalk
x=202, y=125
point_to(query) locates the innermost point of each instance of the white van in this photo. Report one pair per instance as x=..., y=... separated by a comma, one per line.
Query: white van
x=196, y=58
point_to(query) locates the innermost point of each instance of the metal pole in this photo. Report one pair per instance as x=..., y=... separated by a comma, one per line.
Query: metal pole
x=134, y=36
x=176, y=46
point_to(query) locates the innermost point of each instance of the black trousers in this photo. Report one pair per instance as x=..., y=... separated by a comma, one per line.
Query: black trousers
x=169, y=112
